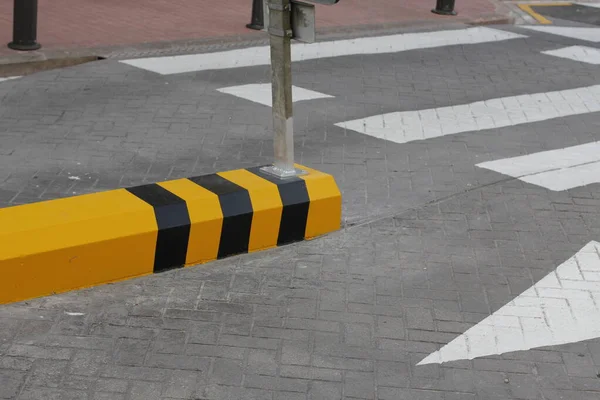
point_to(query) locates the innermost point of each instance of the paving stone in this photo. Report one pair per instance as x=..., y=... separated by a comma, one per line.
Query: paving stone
x=579, y=365
x=111, y=385
x=386, y=393
x=133, y=373
x=181, y=385
x=78, y=382
x=419, y=318
x=39, y=352
x=15, y=363
x=358, y=335
x=325, y=390
x=11, y=383
x=132, y=351
x=226, y=372
x=359, y=385
x=108, y=396
x=255, y=343
x=388, y=327
x=47, y=373
x=145, y=390
x=392, y=374
x=176, y=361
x=262, y=362
x=297, y=353
x=276, y=384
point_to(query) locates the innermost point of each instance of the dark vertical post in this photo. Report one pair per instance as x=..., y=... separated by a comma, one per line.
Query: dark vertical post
x=25, y=25
x=257, y=19
x=444, y=7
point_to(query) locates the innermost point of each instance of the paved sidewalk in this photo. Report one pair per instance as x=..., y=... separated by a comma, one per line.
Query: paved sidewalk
x=76, y=25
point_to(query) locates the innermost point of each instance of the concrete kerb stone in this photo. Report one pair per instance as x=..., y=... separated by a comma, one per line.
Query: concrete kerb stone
x=65, y=244
x=26, y=64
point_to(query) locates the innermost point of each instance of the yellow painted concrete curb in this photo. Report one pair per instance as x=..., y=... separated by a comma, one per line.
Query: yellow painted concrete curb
x=65, y=244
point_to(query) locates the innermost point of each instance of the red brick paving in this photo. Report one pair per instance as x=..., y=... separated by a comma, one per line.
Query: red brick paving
x=69, y=24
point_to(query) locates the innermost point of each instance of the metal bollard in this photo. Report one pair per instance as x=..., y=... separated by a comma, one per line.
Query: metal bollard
x=257, y=21
x=444, y=7
x=25, y=25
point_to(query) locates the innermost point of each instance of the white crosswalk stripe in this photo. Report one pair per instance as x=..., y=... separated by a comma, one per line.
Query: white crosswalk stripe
x=555, y=170
x=261, y=93
x=593, y=5
x=588, y=34
x=301, y=52
x=590, y=55
x=408, y=126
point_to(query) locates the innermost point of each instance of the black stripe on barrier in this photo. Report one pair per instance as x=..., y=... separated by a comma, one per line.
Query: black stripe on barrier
x=237, y=213
x=295, y=200
x=173, y=220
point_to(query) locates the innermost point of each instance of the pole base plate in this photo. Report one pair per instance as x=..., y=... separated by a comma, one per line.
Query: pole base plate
x=443, y=12
x=24, y=46
x=282, y=173
x=256, y=27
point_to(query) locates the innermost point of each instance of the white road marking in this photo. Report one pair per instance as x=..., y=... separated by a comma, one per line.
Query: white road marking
x=589, y=34
x=594, y=5
x=590, y=55
x=301, y=52
x=261, y=93
x=9, y=78
x=408, y=126
x=561, y=308
x=557, y=170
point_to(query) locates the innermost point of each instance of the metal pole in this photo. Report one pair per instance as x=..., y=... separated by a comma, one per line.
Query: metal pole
x=256, y=21
x=280, y=31
x=25, y=25
x=444, y=7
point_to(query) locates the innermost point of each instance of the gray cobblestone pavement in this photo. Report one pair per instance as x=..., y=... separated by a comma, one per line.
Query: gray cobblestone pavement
x=438, y=243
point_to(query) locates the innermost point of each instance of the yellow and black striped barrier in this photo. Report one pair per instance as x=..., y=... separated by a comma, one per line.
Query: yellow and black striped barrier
x=66, y=244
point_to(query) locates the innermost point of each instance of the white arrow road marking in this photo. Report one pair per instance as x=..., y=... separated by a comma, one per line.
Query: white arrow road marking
x=585, y=54
x=254, y=56
x=261, y=93
x=561, y=308
x=408, y=126
x=588, y=34
x=556, y=170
